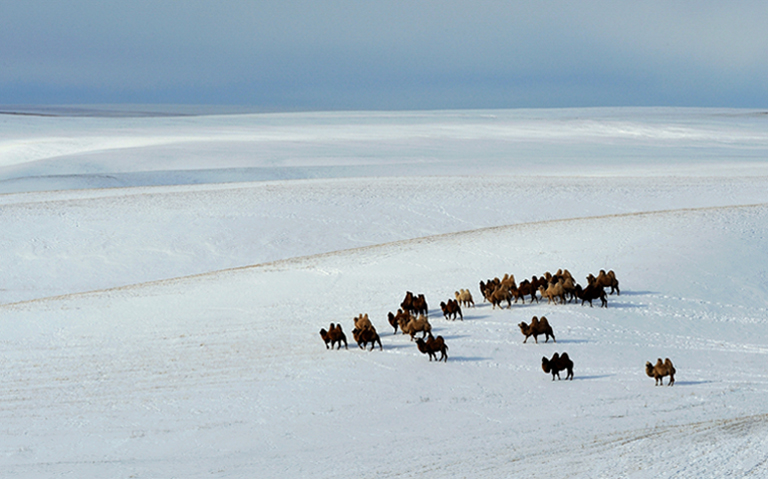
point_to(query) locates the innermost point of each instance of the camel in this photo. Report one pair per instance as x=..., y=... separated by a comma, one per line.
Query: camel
x=660, y=370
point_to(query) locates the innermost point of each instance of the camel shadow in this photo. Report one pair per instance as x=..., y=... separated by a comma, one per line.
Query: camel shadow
x=594, y=376
x=691, y=383
x=468, y=358
x=573, y=341
x=398, y=346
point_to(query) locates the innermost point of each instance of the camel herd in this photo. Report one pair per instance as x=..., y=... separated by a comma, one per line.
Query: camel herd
x=558, y=288
x=412, y=317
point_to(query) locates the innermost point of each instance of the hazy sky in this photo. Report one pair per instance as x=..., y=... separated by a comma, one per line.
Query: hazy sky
x=385, y=55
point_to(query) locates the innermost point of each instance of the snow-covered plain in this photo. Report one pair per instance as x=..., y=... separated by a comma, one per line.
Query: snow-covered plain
x=165, y=279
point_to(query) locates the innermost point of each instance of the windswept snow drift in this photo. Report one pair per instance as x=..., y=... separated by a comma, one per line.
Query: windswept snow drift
x=172, y=331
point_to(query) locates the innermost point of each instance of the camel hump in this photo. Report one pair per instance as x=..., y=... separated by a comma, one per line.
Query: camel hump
x=544, y=321
x=668, y=364
x=564, y=355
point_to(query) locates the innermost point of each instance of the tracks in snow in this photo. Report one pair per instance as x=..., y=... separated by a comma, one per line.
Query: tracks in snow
x=371, y=251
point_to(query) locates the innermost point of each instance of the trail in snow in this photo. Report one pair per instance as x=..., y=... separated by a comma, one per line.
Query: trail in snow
x=69, y=241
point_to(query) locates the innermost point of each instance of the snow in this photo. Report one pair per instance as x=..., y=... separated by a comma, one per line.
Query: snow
x=165, y=279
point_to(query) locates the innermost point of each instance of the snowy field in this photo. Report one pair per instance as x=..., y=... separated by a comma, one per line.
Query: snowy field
x=165, y=279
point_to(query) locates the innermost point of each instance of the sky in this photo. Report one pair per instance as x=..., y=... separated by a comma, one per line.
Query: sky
x=385, y=55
